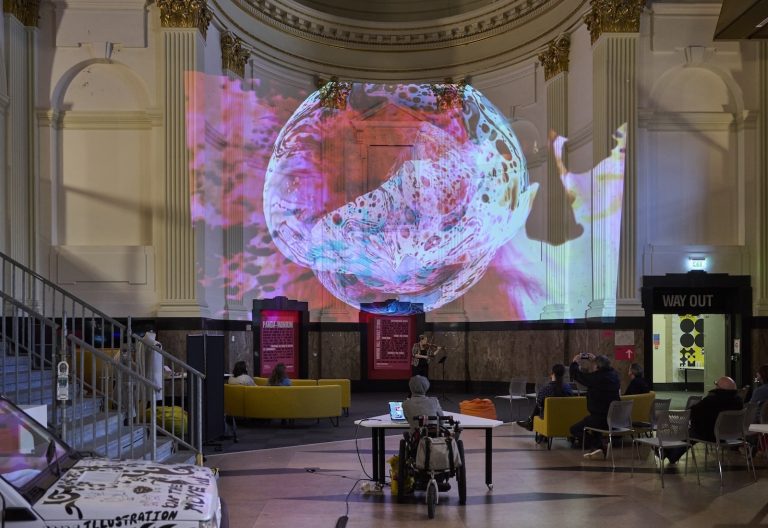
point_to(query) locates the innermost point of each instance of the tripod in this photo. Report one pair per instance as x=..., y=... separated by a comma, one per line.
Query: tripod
x=443, y=397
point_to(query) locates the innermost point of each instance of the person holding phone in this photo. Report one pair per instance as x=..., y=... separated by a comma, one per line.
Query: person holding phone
x=603, y=387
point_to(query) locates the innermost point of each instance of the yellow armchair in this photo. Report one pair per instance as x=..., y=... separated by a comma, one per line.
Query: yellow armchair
x=560, y=413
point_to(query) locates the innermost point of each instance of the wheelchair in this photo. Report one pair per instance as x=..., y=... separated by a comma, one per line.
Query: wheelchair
x=433, y=453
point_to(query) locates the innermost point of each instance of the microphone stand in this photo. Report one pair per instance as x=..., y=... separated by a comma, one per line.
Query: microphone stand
x=443, y=397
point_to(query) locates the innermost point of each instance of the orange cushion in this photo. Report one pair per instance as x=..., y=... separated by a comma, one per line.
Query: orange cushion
x=483, y=408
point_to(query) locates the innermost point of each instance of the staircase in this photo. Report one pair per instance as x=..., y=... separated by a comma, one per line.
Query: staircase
x=102, y=384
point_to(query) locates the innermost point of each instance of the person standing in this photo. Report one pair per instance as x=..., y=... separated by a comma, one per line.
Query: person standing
x=421, y=354
x=603, y=387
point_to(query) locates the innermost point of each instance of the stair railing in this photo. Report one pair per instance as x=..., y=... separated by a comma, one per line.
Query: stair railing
x=29, y=339
x=26, y=291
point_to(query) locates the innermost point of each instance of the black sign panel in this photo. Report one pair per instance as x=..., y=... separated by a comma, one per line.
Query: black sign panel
x=690, y=300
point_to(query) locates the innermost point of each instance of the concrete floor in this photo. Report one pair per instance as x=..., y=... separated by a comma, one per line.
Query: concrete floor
x=308, y=486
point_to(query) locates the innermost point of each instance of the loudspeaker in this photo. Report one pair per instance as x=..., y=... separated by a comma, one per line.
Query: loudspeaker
x=206, y=354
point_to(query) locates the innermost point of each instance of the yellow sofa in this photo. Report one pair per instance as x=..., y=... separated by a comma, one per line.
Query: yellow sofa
x=290, y=403
x=346, y=387
x=560, y=413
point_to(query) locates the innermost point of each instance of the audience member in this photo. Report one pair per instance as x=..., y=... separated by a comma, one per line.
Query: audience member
x=278, y=377
x=637, y=383
x=760, y=392
x=724, y=397
x=240, y=375
x=419, y=404
x=603, y=387
x=556, y=387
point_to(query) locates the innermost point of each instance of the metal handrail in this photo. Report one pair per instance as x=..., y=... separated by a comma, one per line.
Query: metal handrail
x=58, y=314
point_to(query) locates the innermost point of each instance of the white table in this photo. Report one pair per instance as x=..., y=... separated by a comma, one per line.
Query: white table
x=685, y=374
x=758, y=428
x=379, y=424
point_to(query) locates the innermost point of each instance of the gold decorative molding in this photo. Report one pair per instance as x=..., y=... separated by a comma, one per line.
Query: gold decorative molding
x=555, y=58
x=27, y=11
x=449, y=94
x=613, y=16
x=233, y=56
x=334, y=93
x=185, y=14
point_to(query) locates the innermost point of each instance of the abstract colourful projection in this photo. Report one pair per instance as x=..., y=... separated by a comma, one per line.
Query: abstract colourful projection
x=428, y=233
x=388, y=198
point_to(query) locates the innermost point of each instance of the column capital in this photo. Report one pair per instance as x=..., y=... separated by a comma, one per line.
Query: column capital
x=613, y=16
x=334, y=93
x=555, y=58
x=233, y=56
x=185, y=14
x=27, y=11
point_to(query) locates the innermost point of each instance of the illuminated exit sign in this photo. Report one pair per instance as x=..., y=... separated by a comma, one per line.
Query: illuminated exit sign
x=697, y=263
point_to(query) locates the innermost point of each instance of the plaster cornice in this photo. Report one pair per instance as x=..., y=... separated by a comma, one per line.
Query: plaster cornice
x=298, y=20
x=504, y=33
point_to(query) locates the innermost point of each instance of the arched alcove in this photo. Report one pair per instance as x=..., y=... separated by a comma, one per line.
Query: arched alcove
x=104, y=191
x=694, y=198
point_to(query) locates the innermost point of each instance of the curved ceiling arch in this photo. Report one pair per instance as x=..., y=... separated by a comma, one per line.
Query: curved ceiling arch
x=491, y=35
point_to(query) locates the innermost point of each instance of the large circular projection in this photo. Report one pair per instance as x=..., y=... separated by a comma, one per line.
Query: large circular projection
x=428, y=230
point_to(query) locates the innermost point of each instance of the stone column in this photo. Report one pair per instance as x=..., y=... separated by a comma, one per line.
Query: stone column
x=20, y=43
x=555, y=63
x=233, y=60
x=184, y=25
x=614, y=26
x=762, y=181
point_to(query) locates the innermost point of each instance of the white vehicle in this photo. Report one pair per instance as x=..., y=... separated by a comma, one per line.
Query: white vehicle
x=46, y=484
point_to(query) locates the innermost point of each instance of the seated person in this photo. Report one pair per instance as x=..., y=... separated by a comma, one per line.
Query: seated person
x=279, y=378
x=240, y=375
x=637, y=383
x=724, y=397
x=419, y=404
x=760, y=393
x=556, y=387
x=603, y=387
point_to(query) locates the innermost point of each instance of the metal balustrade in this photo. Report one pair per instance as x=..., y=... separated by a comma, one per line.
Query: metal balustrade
x=116, y=378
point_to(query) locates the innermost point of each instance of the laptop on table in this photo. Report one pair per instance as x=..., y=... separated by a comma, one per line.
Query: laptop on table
x=396, y=412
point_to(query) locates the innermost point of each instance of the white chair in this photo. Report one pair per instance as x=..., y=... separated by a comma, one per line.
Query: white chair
x=517, y=398
x=619, y=424
x=671, y=431
x=649, y=427
x=730, y=432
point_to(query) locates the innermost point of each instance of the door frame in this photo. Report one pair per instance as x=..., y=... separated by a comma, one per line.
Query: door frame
x=713, y=293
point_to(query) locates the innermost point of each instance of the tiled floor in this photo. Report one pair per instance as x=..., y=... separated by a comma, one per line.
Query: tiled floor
x=306, y=486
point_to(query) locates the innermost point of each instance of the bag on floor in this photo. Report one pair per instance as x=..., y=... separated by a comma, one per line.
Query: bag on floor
x=481, y=407
x=172, y=419
x=437, y=454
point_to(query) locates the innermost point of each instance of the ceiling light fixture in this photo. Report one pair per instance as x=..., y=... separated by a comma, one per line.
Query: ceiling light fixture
x=764, y=22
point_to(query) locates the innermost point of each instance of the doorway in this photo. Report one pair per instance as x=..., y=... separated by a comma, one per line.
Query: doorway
x=689, y=351
x=697, y=330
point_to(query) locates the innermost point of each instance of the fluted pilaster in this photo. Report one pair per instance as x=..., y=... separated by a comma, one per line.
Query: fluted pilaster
x=21, y=43
x=557, y=253
x=614, y=103
x=183, y=56
x=762, y=181
x=233, y=206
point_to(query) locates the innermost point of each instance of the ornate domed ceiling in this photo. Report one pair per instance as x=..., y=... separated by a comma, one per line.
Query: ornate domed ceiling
x=414, y=40
x=396, y=10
